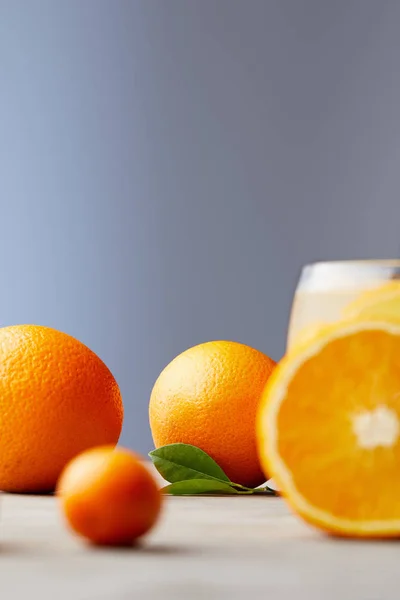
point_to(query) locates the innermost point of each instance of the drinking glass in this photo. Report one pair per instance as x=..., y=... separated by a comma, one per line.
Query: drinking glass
x=324, y=291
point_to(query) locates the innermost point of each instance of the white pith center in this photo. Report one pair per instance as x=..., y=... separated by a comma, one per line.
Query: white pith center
x=377, y=427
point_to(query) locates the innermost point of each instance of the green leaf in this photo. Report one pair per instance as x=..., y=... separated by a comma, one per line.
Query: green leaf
x=190, y=487
x=181, y=462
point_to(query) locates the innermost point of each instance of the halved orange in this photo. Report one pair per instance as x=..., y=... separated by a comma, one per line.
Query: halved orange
x=328, y=429
x=381, y=302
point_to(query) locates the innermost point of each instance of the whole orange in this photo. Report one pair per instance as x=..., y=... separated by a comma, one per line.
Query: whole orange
x=57, y=398
x=108, y=496
x=208, y=397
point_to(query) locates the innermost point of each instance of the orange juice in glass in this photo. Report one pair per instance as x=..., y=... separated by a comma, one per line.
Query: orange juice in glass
x=329, y=291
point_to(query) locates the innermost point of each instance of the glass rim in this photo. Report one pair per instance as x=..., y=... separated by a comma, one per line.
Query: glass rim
x=348, y=273
x=357, y=262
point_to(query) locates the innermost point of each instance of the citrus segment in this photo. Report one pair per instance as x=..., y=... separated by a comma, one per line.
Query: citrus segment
x=382, y=303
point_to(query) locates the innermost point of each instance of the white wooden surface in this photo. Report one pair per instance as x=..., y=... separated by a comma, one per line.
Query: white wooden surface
x=203, y=548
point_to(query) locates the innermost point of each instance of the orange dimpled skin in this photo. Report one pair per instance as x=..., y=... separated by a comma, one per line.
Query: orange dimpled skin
x=208, y=397
x=57, y=398
x=109, y=497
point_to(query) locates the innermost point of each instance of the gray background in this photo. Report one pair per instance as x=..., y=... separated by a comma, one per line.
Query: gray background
x=166, y=167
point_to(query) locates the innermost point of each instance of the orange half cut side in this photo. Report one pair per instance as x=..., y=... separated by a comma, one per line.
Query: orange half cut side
x=328, y=429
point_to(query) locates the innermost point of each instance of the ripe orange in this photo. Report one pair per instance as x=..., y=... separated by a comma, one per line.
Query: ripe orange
x=57, y=398
x=329, y=429
x=208, y=397
x=108, y=496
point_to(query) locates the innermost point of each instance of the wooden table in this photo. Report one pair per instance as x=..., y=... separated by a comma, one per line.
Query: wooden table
x=203, y=548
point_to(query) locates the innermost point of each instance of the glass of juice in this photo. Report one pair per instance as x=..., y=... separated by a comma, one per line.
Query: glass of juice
x=328, y=292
